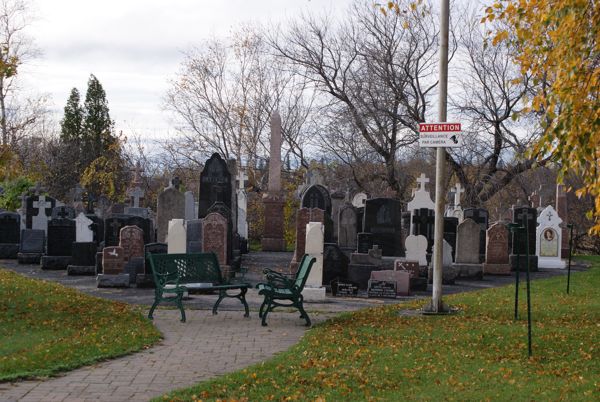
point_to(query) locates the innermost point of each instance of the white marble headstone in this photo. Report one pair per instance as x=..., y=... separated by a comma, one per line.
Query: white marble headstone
x=548, y=239
x=315, y=238
x=242, y=206
x=40, y=221
x=359, y=200
x=416, y=249
x=83, y=233
x=176, y=237
x=421, y=199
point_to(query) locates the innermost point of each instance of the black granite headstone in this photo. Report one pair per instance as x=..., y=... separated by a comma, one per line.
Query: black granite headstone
x=524, y=216
x=61, y=236
x=32, y=204
x=215, y=185
x=364, y=242
x=423, y=224
x=10, y=228
x=317, y=196
x=383, y=220
x=84, y=254
x=64, y=212
x=335, y=263
x=450, y=228
x=32, y=241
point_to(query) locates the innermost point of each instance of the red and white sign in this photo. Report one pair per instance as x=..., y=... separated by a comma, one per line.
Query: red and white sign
x=440, y=135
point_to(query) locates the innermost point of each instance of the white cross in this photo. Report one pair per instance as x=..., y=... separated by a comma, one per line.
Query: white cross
x=422, y=180
x=457, y=191
x=241, y=177
x=41, y=204
x=136, y=193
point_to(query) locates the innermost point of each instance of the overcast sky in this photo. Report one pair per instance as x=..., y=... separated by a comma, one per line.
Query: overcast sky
x=135, y=47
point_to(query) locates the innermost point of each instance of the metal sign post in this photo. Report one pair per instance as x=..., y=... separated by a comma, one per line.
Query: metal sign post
x=570, y=226
x=514, y=228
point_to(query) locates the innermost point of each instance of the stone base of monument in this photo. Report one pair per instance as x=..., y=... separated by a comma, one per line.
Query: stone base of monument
x=419, y=283
x=112, y=281
x=449, y=275
x=272, y=244
x=81, y=270
x=533, y=263
x=134, y=266
x=496, y=269
x=314, y=294
x=29, y=258
x=551, y=262
x=145, y=281
x=471, y=271
x=361, y=273
x=55, y=261
x=9, y=250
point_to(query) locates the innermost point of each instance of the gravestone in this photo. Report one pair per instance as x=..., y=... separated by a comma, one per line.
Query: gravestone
x=303, y=217
x=63, y=212
x=467, y=249
x=214, y=236
x=194, y=236
x=337, y=202
x=315, y=236
x=10, y=234
x=423, y=223
x=170, y=205
x=362, y=264
x=83, y=230
x=131, y=240
x=524, y=216
x=61, y=236
x=496, y=255
x=450, y=228
x=359, y=199
x=416, y=281
x=449, y=270
x=225, y=212
x=215, y=185
x=549, y=234
x=416, y=249
x=113, y=224
x=83, y=259
x=383, y=220
x=481, y=217
x=190, y=206
x=335, y=263
x=347, y=226
x=146, y=280
x=456, y=210
x=176, y=238
x=39, y=211
x=242, y=205
x=421, y=199
x=364, y=242
x=32, y=246
x=273, y=234
x=317, y=196
x=400, y=278
x=113, y=267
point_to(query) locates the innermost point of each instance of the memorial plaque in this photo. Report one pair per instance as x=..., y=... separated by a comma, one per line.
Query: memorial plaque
x=382, y=289
x=344, y=288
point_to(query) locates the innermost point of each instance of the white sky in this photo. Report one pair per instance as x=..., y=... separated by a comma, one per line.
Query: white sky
x=134, y=47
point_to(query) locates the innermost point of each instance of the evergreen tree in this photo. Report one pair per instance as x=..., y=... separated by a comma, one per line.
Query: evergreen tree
x=97, y=125
x=72, y=123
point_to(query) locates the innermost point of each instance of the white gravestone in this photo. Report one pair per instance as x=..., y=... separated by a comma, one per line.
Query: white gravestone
x=40, y=221
x=242, y=205
x=176, y=237
x=315, y=237
x=548, y=239
x=359, y=200
x=416, y=249
x=421, y=199
x=83, y=233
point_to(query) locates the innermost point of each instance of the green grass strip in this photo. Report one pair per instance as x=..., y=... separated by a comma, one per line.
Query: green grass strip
x=477, y=354
x=46, y=328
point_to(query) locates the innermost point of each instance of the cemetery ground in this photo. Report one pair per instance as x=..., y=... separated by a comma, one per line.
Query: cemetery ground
x=374, y=353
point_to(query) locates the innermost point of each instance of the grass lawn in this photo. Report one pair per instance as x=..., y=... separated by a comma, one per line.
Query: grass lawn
x=46, y=328
x=477, y=354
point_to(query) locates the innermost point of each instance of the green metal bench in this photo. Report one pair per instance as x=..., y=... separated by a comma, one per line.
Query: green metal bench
x=285, y=291
x=176, y=274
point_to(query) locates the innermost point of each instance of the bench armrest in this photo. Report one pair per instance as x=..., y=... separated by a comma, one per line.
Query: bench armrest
x=279, y=280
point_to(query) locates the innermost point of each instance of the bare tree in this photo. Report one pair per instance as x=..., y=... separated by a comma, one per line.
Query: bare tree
x=489, y=94
x=377, y=72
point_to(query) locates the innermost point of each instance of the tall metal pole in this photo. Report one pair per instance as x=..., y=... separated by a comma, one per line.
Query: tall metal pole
x=437, y=305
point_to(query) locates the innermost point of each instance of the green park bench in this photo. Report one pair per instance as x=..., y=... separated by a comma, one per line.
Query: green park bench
x=285, y=291
x=175, y=274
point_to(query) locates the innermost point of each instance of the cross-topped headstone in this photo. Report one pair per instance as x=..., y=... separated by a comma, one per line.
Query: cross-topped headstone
x=37, y=189
x=458, y=190
x=422, y=180
x=241, y=178
x=137, y=179
x=175, y=182
x=137, y=194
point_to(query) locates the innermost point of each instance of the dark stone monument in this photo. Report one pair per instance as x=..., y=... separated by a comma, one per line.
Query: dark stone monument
x=32, y=247
x=317, y=196
x=450, y=229
x=215, y=185
x=383, y=220
x=63, y=212
x=10, y=234
x=114, y=224
x=83, y=259
x=194, y=236
x=364, y=242
x=481, y=217
x=146, y=280
x=423, y=224
x=335, y=263
x=61, y=236
x=524, y=216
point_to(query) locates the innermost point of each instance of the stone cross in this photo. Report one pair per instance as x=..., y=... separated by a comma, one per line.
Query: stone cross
x=422, y=180
x=241, y=178
x=458, y=189
x=175, y=182
x=41, y=204
x=136, y=193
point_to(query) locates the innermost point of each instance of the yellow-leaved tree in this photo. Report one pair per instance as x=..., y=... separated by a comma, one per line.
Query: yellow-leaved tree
x=557, y=42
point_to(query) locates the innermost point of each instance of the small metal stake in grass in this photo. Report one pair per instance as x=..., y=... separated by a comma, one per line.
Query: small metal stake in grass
x=514, y=227
x=528, y=286
x=570, y=226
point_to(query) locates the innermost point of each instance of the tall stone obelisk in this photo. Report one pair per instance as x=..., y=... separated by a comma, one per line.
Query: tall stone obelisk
x=274, y=199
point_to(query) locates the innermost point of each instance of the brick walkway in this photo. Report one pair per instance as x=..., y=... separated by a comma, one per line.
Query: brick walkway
x=202, y=348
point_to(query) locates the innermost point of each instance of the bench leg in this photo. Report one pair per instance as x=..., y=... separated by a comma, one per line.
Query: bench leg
x=266, y=307
x=262, y=308
x=179, y=303
x=157, y=298
x=303, y=313
x=242, y=298
x=222, y=295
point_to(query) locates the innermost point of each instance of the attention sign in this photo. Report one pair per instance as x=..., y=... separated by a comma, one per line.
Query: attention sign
x=440, y=135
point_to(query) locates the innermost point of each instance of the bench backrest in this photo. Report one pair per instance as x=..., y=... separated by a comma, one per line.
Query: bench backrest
x=187, y=268
x=303, y=270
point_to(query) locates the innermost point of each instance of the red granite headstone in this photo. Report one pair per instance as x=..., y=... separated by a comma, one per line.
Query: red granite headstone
x=214, y=236
x=113, y=260
x=132, y=241
x=496, y=256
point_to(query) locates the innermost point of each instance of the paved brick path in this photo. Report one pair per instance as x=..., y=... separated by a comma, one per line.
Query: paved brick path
x=202, y=348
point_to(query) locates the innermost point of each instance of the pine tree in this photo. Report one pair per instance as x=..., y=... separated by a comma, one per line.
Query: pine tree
x=72, y=123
